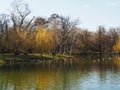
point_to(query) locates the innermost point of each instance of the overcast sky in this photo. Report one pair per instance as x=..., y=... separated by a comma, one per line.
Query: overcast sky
x=91, y=13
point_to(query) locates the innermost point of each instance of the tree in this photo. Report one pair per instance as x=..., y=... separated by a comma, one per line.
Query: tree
x=117, y=46
x=20, y=23
x=4, y=31
x=44, y=40
x=113, y=34
x=84, y=41
x=62, y=27
x=100, y=39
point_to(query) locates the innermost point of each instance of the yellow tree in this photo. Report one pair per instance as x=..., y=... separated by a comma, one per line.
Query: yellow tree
x=117, y=46
x=17, y=40
x=44, y=40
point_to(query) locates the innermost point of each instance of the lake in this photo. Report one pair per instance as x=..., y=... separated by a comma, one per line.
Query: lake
x=68, y=74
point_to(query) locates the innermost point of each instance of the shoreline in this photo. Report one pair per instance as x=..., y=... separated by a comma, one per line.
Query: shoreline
x=11, y=58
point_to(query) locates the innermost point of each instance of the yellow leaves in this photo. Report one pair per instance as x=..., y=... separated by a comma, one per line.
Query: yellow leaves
x=116, y=60
x=44, y=39
x=116, y=47
x=20, y=40
x=15, y=39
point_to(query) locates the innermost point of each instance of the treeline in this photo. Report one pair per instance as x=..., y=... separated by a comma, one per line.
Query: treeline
x=20, y=34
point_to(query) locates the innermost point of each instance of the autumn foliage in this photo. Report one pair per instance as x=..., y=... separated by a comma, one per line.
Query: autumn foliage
x=44, y=40
x=117, y=46
x=20, y=34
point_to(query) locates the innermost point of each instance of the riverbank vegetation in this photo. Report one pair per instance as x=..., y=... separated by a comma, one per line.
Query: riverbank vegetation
x=11, y=58
x=54, y=34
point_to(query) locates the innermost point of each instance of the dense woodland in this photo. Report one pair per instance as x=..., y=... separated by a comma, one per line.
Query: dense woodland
x=21, y=34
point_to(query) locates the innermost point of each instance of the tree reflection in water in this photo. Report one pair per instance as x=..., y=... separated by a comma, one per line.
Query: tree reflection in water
x=68, y=74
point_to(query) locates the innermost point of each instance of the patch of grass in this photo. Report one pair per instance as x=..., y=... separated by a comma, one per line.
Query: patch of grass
x=22, y=57
x=62, y=56
x=43, y=56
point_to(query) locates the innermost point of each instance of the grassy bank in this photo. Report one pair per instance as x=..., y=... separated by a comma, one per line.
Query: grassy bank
x=1, y=61
x=30, y=57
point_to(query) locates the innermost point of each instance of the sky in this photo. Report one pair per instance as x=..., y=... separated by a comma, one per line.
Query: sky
x=91, y=13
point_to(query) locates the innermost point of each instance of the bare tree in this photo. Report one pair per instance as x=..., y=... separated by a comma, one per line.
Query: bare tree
x=4, y=31
x=100, y=38
x=19, y=20
x=63, y=27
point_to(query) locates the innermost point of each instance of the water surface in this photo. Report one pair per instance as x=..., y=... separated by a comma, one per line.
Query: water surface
x=68, y=74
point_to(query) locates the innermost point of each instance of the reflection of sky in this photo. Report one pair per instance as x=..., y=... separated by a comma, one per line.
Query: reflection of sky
x=93, y=81
x=61, y=75
x=90, y=12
